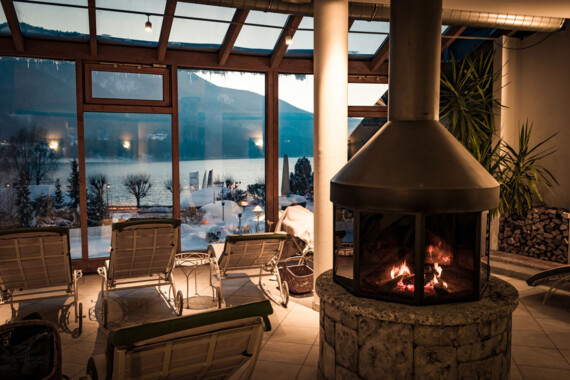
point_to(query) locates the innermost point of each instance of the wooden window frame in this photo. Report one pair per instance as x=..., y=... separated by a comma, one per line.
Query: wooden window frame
x=132, y=69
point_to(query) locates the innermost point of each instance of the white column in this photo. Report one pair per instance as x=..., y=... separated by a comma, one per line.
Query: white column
x=331, y=119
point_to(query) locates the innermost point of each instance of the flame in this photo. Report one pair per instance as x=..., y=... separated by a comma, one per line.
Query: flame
x=439, y=252
x=401, y=270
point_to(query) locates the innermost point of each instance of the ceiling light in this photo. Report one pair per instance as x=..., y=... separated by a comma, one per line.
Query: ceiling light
x=288, y=40
x=148, y=24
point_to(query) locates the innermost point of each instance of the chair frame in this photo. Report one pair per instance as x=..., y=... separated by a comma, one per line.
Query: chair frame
x=221, y=265
x=42, y=287
x=554, y=278
x=111, y=280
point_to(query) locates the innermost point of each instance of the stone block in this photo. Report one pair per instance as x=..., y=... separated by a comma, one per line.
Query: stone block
x=326, y=361
x=346, y=346
x=495, y=367
x=435, y=336
x=484, y=349
x=387, y=353
x=332, y=312
x=435, y=363
x=365, y=327
x=468, y=334
x=345, y=374
x=499, y=325
x=349, y=321
x=329, y=331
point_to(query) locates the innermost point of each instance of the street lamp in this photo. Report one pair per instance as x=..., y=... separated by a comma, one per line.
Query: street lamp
x=243, y=203
x=257, y=210
x=108, y=187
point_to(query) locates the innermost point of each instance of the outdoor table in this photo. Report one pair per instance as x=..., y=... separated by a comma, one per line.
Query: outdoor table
x=189, y=262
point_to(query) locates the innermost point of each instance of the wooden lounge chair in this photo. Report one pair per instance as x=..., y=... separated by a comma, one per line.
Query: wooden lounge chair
x=252, y=251
x=555, y=278
x=35, y=264
x=142, y=254
x=211, y=345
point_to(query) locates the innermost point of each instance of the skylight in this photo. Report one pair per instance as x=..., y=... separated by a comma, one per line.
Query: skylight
x=259, y=39
x=302, y=44
x=43, y=20
x=365, y=44
x=198, y=33
x=3, y=23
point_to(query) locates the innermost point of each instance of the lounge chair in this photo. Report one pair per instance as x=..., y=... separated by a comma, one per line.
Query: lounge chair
x=211, y=345
x=555, y=278
x=240, y=253
x=142, y=254
x=35, y=264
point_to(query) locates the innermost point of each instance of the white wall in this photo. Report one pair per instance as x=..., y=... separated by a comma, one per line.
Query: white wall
x=536, y=86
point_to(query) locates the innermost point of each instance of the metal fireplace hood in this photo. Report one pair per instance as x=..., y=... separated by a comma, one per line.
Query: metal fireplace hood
x=413, y=164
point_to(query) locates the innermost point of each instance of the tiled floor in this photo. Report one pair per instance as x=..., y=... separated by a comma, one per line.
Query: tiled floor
x=540, y=346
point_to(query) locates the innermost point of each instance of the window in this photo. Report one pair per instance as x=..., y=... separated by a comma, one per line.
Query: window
x=39, y=175
x=222, y=165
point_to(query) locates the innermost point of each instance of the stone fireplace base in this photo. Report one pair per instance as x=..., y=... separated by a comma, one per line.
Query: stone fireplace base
x=362, y=338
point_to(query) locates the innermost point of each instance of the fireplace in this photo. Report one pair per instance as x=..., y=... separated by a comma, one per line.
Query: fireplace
x=410, y=205
x=413, y=258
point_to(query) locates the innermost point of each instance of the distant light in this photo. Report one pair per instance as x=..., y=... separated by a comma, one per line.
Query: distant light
x=108, y=186
x=288, y=40
x=259, y=143
x=54, y=145
x=148, y=24
x=243, y=203
x=126, y=144
x=257, y=209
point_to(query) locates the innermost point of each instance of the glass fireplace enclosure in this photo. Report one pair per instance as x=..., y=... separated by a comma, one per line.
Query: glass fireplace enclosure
x=411, y=258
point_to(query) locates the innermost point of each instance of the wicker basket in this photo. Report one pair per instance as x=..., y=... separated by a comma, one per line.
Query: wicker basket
x=16, y=338
x=299, y=277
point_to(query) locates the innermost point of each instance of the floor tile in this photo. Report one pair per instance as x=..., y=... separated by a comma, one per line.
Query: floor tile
x=307, y=372
x=561, y=325
x=313, y=357
x=539, y=357
x=525, y=322
x=566, y=354
x=561, y=340
x=531, y=339
x=294, y=334
x=302, y=317
x=284, y=352
x=515, y=373
x=265, y=370
x=542, y=373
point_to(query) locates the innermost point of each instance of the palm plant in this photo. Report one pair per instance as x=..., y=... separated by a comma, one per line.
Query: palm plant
x=523, y=176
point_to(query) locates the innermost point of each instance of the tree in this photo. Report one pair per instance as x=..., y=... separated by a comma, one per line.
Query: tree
x=73, y=185
x=42, y=205
x=168, y=185
x=138, y=185
x=58, y=196
x=23, y=203
x=95, y=199
x=302, y=179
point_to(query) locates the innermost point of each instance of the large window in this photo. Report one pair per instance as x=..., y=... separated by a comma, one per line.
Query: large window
x=39, y=178
x=296, y=140
x=128, y=166
x=222, y=166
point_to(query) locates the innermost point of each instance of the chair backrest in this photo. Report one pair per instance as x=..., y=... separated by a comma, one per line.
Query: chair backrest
x=251, y=250
x=32, y=258
x=207, y=345
x=142, y=247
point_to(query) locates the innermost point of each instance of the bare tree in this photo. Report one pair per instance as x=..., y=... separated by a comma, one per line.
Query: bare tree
x=138, y=185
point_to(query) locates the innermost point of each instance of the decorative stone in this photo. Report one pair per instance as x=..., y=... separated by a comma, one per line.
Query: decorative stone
x=376, y=339
x=435, y=363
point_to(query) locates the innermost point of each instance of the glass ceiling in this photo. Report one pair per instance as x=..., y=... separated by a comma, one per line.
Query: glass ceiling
x=198, y=33
x=195, y=26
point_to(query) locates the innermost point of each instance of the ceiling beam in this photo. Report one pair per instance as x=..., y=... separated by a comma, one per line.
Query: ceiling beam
x=92, y=28
x=368, y=79
x=368, y=111
x=13, y=24
x=350, y=22
x=381, y=55
x=281, y=45
x=451, y=35
x=231, y=36
x=166, y=28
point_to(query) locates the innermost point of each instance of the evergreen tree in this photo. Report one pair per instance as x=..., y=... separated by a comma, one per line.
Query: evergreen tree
x=73, y=185
x=41, y=205
x=23, y=203
x=301, y=181
x=95, y=200
x=58, y=197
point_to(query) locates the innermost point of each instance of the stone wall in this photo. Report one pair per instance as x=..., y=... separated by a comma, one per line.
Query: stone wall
x=541, y=233
x=369, y=339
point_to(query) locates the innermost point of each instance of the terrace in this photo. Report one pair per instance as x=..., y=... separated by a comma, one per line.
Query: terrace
x=226, y=105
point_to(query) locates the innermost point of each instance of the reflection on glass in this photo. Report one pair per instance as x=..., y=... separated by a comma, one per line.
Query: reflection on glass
x=302, y=44
x=116, y=85
x=295, y=140
x=125, y=27
x=366, y=94
x=258, y=39
x=344, y=244
x=362, y=44
x=128, y=166
x=222, y=166
x=52, y=20
x=360, y=130
x=4, y=29
x=197, y=33
x=39, y=174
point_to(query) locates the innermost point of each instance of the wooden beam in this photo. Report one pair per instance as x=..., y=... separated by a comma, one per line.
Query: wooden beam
x=367, y=111
x=13, y=24
x=368, y=79
x=232, y=35
x=166, y=28
x=451, y=35
x=271, y=148
x=175, y=148
x=381, y=55
x=281, y=45
x=92, y=28
x=350, y=22
x=79, y=92
x=511, y=33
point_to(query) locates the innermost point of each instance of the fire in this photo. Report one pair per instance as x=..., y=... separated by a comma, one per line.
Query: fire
x=438, y=253
x=402, y=270
x=406, y=284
